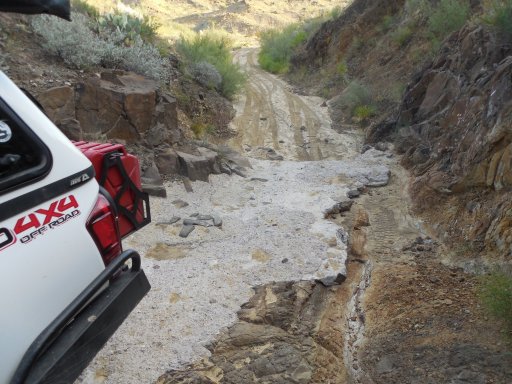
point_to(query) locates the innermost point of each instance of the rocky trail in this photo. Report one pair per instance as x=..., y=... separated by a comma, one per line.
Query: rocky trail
x=281, y=277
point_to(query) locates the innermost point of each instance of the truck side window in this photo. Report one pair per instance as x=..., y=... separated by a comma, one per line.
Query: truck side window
x=23, y=157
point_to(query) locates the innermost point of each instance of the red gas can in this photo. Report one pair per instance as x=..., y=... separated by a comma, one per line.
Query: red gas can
x=119, y=173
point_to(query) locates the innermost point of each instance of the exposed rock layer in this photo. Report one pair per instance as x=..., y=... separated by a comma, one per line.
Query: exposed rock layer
x=455, y=131
x=118, y=105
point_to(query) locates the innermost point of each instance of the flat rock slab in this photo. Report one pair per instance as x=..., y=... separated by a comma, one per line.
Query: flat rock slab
x=186, y=230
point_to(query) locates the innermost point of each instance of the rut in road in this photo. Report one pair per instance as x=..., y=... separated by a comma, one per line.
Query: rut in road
x=271, y=115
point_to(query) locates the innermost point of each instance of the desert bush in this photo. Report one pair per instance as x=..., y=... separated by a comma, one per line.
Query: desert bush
x=145, y=59
x=81, y=6
x=206, y=74
x=201, y=129
x=402, y=35
x=74, y=42
x=386, y=23
x=414, y=9
x=495, y=294
x=355, y=96
x=342, y=68
x=80, y=47
x=277, y=47
x=447, y=17
x=364, y=112
x=214, y=49
x=499, y=14
x=130, y=26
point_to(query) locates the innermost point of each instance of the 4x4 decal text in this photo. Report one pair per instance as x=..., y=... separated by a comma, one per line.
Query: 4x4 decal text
x=35, y=224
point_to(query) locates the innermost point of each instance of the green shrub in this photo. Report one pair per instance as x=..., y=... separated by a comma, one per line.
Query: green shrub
x=214, y=49
x=499, y=15
x=416, y=9
x=402, y=36
x=364, y=112
x=385, y=24
x=342, y=68
x=496, y=296
x=129, y=25
x=336, y=12
x=356, y=95
x=81, y=6
x=447, y=17
x=74, y=42
x=278, y=46
x=80, y=47
x=201, y=129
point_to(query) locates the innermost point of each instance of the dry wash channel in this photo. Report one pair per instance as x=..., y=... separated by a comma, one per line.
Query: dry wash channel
x=298, y=284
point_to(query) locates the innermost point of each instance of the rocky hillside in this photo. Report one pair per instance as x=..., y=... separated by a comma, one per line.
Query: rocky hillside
x=452, y=123
x=243, y=19
x=455, y=131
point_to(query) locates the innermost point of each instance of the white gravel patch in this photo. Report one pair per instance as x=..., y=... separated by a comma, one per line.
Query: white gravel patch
x=272, y=231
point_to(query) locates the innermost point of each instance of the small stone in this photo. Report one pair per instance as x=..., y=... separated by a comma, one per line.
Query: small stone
x=353, y=193
x=180, y=203
x=285, y=260
x=365, y=148
x=186, y=230
x=259, y=179
x=329, y=281
x=217, y=221
x=174, y=219
x=156, y=267
x=382, y=146
x=274, y=156
x=224, y=168
x=188, y=185
x=239, y=171
x=203, y=223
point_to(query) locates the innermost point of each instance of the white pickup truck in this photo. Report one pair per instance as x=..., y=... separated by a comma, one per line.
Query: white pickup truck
x=65, y=286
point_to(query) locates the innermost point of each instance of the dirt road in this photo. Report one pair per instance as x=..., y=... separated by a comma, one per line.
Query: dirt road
x=270, y=115
x=252, y=301
x=273, y=230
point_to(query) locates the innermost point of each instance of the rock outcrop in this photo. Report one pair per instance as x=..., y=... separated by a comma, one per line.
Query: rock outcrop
x=455, y=132
x=287, y=333
x=117, y=105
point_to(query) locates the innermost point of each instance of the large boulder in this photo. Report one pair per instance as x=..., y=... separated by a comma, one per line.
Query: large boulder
x=200, y=165
x=58, y=103
x=116, y=105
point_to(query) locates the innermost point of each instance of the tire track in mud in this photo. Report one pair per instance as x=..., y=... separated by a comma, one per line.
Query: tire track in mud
x=270, y=115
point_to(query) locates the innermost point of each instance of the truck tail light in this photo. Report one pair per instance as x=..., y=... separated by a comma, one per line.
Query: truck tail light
x=103, y=226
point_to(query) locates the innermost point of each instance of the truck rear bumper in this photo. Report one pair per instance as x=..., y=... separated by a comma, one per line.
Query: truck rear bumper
x=70, y=342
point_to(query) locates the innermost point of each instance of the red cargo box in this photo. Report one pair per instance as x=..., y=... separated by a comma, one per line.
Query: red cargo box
x=119, y=173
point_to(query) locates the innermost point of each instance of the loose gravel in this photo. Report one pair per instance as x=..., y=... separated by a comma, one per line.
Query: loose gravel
x=200, y=282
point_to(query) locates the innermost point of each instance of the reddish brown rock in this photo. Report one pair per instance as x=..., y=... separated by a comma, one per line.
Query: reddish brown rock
x=126, y=106
x=58, y=103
